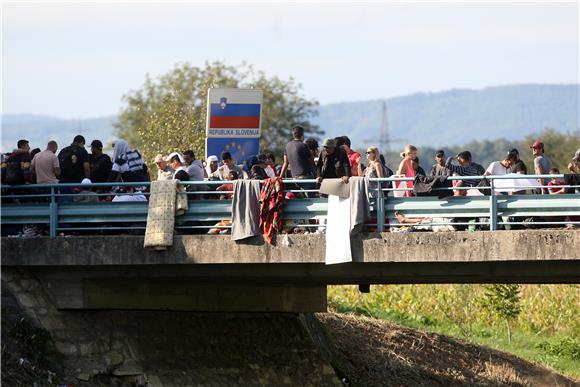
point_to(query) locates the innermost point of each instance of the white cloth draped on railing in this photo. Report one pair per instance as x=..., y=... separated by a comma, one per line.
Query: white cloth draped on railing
x=346, y=217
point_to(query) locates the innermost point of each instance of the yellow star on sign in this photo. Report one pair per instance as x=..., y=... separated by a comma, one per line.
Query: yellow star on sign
x=227, y=147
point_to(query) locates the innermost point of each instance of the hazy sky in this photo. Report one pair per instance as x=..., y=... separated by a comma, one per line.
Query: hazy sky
x=77, y=60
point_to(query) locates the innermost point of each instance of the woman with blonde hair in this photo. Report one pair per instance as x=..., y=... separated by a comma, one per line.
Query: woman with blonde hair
x=409, y=155
x=406, y=165
x=375, y=169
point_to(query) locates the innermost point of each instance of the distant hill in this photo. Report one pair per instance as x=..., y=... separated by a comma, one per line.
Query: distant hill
x=39, y=129
x=448, y=118
x=457, y=116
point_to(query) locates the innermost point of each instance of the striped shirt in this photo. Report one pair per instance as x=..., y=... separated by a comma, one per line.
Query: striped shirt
x=468, y=170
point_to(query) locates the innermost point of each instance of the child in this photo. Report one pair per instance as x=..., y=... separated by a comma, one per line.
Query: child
x=228, y=186
x=556, y=182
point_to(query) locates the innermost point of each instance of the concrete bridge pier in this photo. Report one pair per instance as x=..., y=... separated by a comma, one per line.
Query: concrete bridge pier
x=170, y=348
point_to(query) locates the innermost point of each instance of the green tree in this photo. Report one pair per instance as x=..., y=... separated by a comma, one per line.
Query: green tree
x=169, y=113
x=502, y=301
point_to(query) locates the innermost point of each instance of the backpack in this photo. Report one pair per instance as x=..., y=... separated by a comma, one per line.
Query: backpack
x=68, y=160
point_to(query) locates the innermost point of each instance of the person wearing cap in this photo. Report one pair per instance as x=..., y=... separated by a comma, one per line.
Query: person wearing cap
x=333, y=162
x=542, y=164
x=164, y=171
x=211, y=165
x=574, y=166
x=84, y=193
x=101, y=163
x=439, y=168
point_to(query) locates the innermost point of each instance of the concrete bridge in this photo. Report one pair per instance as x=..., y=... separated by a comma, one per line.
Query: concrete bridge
x=212, y=273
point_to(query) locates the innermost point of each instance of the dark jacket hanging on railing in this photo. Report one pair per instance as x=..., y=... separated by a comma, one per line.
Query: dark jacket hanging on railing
x=425, y=186
x=572, y=179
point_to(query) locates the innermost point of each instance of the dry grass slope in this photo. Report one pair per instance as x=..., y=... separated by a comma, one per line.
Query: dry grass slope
x=371, y=352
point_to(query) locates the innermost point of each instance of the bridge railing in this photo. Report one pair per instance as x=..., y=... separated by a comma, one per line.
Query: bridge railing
x=53, y=205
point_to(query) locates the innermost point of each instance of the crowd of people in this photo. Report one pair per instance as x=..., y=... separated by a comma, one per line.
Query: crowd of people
x=303, y=159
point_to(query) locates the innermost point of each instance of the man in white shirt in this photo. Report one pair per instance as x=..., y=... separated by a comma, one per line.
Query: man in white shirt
x=502, y=167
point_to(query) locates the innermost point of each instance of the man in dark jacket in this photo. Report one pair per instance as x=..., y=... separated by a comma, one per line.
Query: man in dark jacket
x=74, y=162
x=333, y=162
x=101, y=163
x=16, y=165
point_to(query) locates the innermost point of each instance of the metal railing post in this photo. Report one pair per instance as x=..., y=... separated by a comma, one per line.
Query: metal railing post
x=53, y=213
x=492, y=207
x=380, y=209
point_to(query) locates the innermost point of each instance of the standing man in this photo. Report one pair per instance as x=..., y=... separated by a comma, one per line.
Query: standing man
x=45, y=165
x=353, y=157
x=519, y=166
x=542, y=164
x=502, y=167
x=16, y=165
x=439, y=168
x=313, y=147
x=74, y=162
x=101, y=163
x=297, y=156
x=194, y=167
x=333, y=162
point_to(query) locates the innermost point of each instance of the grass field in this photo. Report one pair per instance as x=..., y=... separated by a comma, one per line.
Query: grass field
x=547, y=330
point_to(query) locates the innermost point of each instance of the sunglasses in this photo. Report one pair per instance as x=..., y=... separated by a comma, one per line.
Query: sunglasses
x=369, y=152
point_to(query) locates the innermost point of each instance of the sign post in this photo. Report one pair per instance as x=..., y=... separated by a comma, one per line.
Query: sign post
x=234, y=119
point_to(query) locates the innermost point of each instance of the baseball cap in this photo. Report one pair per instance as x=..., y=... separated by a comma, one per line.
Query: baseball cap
x=537, y=144
x=212, y=158
x=97, y=144
x=86, y=181
x=440, y=152
x=329, y=143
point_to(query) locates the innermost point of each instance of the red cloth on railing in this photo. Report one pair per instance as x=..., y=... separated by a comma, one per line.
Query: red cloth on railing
x=272, y=203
